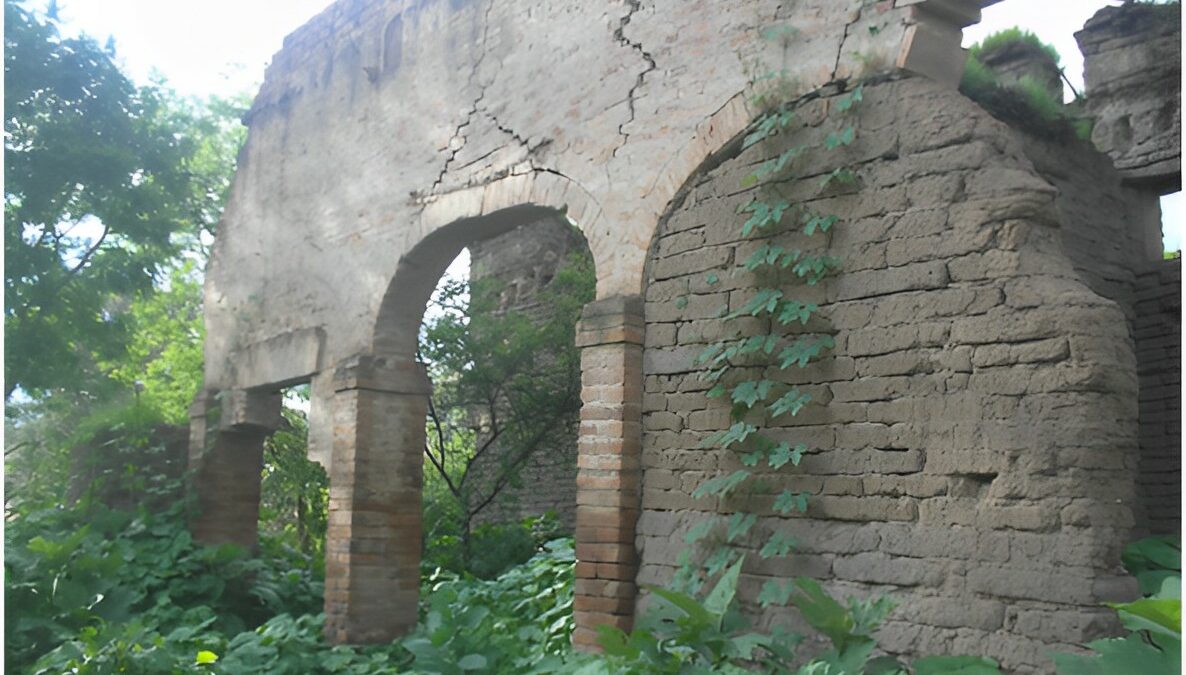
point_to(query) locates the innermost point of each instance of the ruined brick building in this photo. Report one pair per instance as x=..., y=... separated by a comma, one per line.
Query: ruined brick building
x=1002, y=404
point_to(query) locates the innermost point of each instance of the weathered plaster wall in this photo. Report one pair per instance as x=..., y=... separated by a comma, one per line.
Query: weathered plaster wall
x=380, y=122
x=976, y=447
x=522, y=262
x=1159, y=364
x=1132, y=59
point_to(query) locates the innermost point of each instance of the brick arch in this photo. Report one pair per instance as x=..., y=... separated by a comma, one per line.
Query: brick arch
x=452, y=221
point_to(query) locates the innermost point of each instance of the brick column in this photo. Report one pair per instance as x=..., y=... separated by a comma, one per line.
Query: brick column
x=610, y=336
x=372, y=552
x=227, y=434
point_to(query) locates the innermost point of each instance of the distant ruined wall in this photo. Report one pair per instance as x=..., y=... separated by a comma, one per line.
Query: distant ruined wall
x=975, y=445
x=1159, y=362
x=523, y=261
x=1132, y=60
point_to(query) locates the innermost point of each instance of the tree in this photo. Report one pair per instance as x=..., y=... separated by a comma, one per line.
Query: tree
x=106, y=184
x=505, y=386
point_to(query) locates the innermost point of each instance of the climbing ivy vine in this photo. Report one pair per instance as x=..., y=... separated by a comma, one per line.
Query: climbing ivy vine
x=710, y=633
x=744, y=370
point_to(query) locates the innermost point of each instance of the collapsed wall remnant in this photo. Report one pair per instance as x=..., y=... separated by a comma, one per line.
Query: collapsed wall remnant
x=1132, y=61
x=977, y=455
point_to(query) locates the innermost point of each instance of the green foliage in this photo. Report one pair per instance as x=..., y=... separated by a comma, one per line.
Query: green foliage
x=105, y=183
x=682, y=634
x=162, y=358
x=506, y=387
x=294, y=497
x=1027, y=104
x=1154, y=644
x=1153, y=560
x=1014, y=38
x=96, y=589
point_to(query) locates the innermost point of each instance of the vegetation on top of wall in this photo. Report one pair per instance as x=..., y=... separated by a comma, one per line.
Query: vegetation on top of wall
x=1027, y=105
x=1014, y=39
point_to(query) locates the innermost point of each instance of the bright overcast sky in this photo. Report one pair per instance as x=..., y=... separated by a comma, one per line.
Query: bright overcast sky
x=222, y=46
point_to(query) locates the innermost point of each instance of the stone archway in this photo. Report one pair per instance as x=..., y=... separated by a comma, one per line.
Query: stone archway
x=379, y=402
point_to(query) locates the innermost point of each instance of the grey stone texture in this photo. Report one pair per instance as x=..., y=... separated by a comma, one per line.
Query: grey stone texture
x=975, y=449
x=1132, y=57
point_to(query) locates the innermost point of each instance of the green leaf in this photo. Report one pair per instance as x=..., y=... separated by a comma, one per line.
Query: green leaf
x=762, y=215
x=712, y=279
x=740, y=524
x=764, y=301
x=766, y=254
x=721, y=485
x=815, y=221
x=778, y=545
x=719, y=560
x=845, y=103
x=1160, y=615
x=681, y=302
x=791, y=402
x=792, y=310
x=472, y=662
x=789, y=501
x=822, y=612
x=775, y=592
x=749, y=393
x=721, y=596
x=803, y=350
x=204, y=657
x=700, y=530
x=842, y=175
x=783, y=453
x=684, y=603
x=836, y=139
x=1129, y=655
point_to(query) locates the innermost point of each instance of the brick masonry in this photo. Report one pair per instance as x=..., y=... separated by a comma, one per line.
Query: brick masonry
x=1159, y=358
x=976, y=443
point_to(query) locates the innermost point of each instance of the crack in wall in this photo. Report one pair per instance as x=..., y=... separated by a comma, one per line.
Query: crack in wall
x=458, y=139
x=620, y=36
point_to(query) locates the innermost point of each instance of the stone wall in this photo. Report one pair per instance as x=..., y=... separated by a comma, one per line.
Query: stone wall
x=1132, y=59
x=523, y=261
x=975, y=443
x=1159, y=361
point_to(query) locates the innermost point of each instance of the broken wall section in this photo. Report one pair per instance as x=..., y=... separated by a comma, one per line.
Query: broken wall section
x=974, y=450
x=1132, y=57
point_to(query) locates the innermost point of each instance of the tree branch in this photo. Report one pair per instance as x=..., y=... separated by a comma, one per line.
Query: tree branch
x=90, y=252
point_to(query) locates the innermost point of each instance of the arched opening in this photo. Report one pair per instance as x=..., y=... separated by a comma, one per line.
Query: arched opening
x=396, y=436
x=498, y=344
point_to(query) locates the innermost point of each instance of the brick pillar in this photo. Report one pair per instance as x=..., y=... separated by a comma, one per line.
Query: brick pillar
x=372, y=552
x=227, y=434
x=610, y=336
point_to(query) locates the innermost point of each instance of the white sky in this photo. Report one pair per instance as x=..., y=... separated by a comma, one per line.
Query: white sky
x=222, y=46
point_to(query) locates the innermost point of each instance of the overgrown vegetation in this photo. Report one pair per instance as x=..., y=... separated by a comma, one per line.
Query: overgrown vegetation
x=506, y=392
x=1027, y=104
